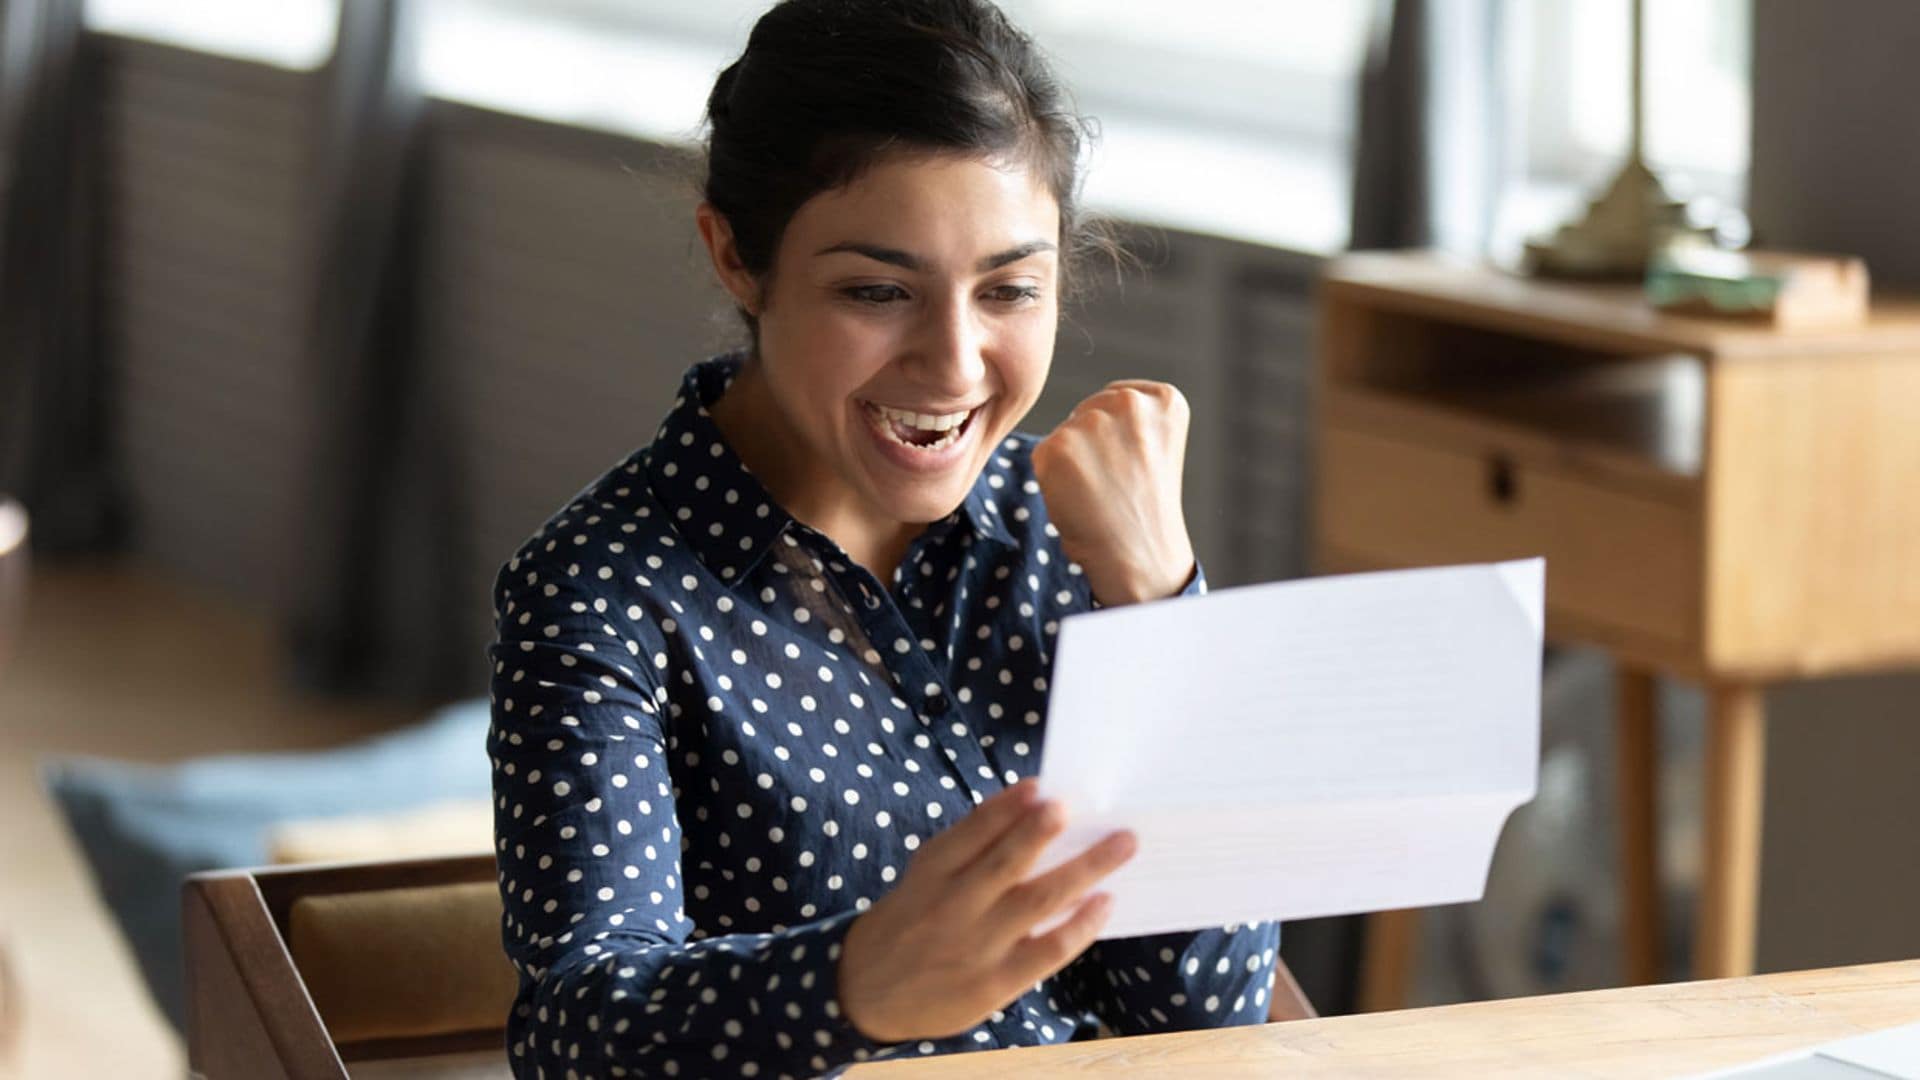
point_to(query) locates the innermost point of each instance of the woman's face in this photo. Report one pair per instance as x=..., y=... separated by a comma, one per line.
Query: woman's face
x=908, y=327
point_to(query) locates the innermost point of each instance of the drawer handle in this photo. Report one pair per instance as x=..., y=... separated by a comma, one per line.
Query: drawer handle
x=1503, y=485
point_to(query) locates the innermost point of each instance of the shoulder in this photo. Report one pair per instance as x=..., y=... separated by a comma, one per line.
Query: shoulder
x=618, y=517
x=592, y=561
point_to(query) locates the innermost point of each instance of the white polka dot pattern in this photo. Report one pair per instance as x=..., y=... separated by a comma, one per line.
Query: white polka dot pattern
x=716, y=740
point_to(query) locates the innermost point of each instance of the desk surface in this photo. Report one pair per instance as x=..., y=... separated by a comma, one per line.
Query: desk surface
x=1639, y=1031
x=1611, y=317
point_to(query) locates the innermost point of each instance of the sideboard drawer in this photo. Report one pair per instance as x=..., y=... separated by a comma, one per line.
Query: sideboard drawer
x=1618, y=561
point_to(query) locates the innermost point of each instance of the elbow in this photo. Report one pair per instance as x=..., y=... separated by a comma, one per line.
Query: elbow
x=552, y=1032
x=1236, y=1002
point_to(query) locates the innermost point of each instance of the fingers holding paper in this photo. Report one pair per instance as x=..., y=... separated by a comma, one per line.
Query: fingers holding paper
x=1028, y=903
x=954, y=941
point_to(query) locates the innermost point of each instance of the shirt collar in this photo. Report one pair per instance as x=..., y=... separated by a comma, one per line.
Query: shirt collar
x=720, y=509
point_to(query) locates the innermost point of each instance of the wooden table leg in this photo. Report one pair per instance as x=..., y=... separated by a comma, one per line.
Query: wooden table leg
x=1390, y=948
x=1638, y=766
x=1730, y=880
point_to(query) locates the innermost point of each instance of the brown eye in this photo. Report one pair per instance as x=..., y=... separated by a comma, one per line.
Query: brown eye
x=874, y=294
x=1015, y=294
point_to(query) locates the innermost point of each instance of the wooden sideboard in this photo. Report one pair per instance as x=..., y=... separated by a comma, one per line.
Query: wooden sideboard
x=1717, y=501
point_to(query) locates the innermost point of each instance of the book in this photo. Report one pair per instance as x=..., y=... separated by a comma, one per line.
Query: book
x=1780, y=289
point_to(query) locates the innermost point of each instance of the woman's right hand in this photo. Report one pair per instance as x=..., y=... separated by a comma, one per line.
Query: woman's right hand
x=953, y=941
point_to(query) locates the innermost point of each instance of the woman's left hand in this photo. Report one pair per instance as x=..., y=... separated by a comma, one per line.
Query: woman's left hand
x=1110, y=476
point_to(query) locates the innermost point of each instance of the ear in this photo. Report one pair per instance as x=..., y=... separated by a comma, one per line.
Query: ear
x=733, y=274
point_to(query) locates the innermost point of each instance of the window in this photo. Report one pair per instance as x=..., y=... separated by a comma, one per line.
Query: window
x=639, y=66
x=1572, y=59
x=1225, y=116
x=1253, y=67
x=1234, y=117
x=294, y=34
x=1695, y=87
x=1281, y=68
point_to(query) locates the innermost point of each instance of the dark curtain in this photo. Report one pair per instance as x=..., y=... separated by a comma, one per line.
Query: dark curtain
x=1390, y=204
x=1430, y=145
x=55, y=450
x=379, y=586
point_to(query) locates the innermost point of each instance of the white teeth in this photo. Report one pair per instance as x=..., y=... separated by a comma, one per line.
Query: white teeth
x=948, y=424
x=923, y=421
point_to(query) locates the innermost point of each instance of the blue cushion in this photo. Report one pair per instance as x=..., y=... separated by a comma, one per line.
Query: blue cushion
x=144, y=828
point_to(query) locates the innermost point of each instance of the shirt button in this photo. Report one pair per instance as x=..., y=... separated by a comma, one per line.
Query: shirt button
x=937, y=705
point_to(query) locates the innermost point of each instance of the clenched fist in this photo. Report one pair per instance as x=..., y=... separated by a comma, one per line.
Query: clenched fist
x=1110, y=476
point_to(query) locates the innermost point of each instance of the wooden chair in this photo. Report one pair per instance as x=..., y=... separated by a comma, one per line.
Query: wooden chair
x=323, y=972
x=347, y=970
x=1289, y=1002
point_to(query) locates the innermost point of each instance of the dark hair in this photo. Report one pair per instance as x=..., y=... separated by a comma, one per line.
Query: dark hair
x=827, y=88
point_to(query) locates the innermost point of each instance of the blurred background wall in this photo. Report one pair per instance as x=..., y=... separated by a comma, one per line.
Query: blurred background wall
x=1834, y=159
x=556, y=271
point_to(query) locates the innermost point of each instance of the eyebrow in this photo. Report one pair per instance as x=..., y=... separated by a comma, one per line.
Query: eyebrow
x=911, y=261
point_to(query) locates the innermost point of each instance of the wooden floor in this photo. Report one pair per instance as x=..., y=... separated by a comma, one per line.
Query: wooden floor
x=118, y=661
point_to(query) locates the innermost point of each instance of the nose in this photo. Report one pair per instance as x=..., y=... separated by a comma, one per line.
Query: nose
x=948, y=353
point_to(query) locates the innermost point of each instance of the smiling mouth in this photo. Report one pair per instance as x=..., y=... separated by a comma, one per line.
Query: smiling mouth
x=919, y=431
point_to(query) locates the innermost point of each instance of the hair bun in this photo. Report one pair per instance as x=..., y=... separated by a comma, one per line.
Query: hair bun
x=720, y=101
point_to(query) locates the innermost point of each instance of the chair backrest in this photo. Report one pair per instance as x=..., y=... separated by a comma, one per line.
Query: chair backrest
x=297, y=971
x=1289, y=1001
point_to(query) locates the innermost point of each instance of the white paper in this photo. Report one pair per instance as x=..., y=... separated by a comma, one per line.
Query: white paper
x=1888, y=1053
x=1317, y=747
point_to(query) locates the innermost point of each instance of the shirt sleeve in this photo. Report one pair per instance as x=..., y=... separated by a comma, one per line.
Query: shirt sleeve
x=1196, y=586
x=588, y=847
x=1180, y=981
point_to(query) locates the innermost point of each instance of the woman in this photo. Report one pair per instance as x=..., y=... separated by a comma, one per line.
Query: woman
x=766, y=695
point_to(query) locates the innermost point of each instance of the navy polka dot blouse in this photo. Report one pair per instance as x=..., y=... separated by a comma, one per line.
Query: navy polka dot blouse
x=716, y=740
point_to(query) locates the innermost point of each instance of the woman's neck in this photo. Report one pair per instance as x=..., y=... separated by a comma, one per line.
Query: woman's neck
x=756, y=429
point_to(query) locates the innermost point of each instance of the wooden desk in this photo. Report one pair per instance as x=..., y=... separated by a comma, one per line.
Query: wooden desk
x=1637, y=1032
x=1717, y=501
